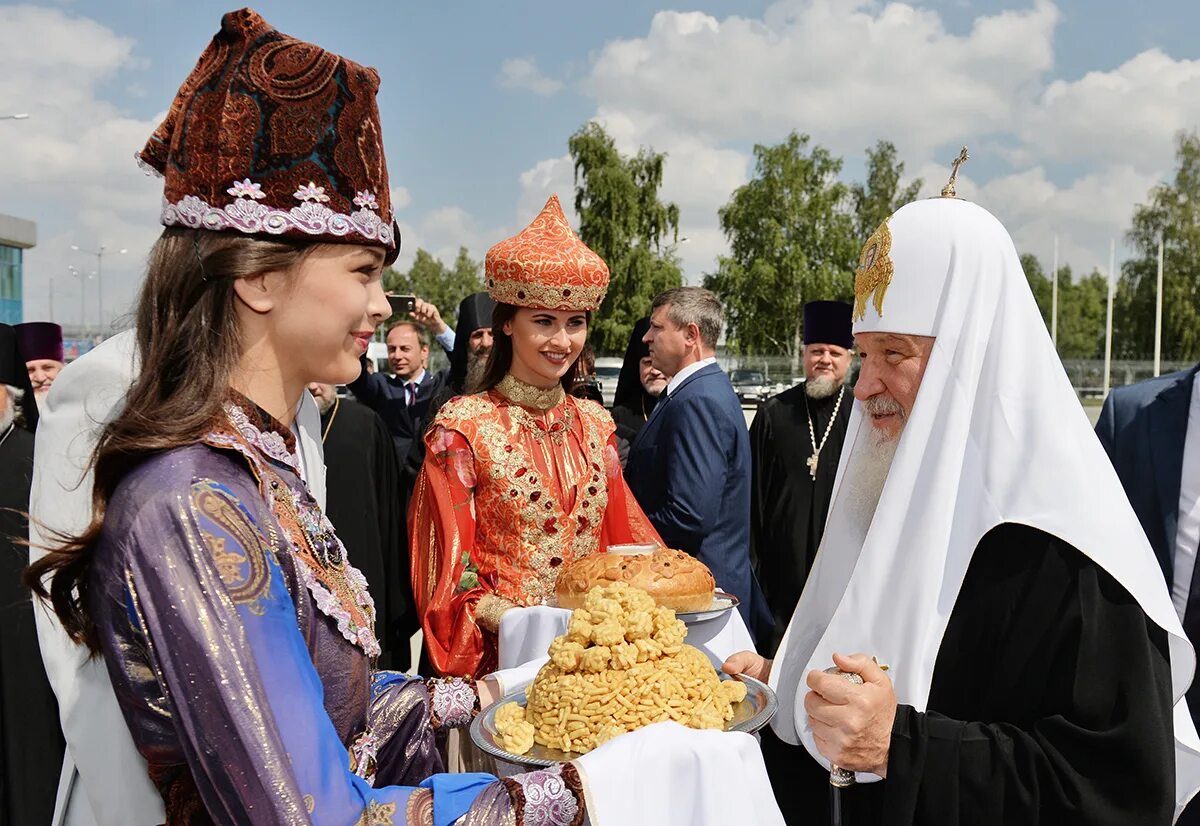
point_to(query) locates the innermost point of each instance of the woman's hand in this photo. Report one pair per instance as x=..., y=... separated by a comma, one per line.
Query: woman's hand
x=488, y=690
x=748, y=663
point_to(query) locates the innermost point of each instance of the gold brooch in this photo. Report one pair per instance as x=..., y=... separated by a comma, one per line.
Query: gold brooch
x=874, y=271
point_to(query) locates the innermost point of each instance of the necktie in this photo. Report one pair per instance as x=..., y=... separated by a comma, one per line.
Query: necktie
x=410, y=393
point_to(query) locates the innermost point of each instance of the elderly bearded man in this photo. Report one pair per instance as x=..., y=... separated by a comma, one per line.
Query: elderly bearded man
x=980, y=544
x=795, y=442
x=42, y=344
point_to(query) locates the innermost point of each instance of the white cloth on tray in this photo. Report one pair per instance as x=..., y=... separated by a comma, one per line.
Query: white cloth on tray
x=670, y=775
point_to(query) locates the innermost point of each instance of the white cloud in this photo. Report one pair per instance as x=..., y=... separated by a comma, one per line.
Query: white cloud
x=1131, y=113
x=442, y=231
x=553, y=176
x=841, y=70
x=401, y=197
x=523, y=73
x=848, y=73
x=1086, y=215
x=70, y=165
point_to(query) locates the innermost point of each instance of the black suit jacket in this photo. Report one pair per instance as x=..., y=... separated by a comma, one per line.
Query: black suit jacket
x=385, y=395
x=1143, y=427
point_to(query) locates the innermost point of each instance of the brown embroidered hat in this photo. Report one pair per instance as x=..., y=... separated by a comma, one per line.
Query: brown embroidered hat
x=271, y=135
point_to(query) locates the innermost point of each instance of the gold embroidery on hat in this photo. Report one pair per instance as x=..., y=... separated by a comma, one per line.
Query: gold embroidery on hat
x=874, y=271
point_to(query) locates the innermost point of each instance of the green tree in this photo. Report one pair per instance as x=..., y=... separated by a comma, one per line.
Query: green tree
x=1082, y=307
x=622, y=219
x=1172, y=212
x=791, y=240
x=1082, y=312
x=881, y=195
x=1039, y=284
x=429, y=279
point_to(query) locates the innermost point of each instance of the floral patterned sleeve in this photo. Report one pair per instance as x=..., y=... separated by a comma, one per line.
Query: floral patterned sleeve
x=624, y=522
x=441, y=538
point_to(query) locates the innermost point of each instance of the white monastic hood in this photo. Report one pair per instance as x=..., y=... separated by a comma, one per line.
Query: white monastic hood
x=996, y=435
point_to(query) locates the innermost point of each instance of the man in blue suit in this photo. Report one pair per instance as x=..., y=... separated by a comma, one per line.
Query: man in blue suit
x=689, y=468
x=1151, y=431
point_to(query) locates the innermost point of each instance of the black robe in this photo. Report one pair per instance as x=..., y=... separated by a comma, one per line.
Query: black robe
x=474, y=313
x=364, y=503
x=787, y=507
x=31, y=741
x=632, y=405
x=631, y=416
x=1050, y=704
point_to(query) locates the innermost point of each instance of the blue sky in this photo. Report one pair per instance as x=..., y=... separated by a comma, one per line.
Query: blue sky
x=1069, y=108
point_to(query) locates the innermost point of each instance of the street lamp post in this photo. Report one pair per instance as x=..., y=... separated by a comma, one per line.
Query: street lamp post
x=100, y=253
x=77, y=273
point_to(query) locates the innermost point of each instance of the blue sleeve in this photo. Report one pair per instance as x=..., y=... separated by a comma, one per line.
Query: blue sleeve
x=692, y=445
x=1106, y=426
x=222, y=626
x=368, y=388
x=453, y=794
x=446, y=340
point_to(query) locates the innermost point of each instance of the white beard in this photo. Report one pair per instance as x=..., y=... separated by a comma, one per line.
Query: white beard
x=866, y=473
x=821, y=388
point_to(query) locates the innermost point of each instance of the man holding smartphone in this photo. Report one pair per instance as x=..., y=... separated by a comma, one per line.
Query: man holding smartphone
x=402, y=398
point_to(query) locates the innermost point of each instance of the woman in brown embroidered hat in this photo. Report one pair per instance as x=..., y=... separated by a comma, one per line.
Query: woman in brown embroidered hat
x=523, y=477
x=238, y=639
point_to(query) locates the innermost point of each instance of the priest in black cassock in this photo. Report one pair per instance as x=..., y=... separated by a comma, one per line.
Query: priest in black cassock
x=639, y=386
x=795, y=442
x=31, y=742
x=364, y=501
x=980, y=546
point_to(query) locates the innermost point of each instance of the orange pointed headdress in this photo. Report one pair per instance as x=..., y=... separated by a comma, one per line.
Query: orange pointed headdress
x=545, y=265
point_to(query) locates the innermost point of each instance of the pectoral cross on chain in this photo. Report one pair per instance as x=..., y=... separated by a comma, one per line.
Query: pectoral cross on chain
x=812, y=465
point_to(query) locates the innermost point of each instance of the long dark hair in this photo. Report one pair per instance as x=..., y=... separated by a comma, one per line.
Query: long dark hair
x=500, y=359
x=188, y=341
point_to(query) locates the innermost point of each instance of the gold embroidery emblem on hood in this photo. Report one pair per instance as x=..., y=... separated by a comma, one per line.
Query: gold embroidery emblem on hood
x=874, y=271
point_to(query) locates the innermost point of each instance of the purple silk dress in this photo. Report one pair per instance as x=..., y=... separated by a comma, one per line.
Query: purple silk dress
x=240, y=642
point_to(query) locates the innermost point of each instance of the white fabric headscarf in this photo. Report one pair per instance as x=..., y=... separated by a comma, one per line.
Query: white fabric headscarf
x=996, y=435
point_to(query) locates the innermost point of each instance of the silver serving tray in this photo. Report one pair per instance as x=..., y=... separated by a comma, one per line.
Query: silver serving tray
x=750, y=715
x=722, y=603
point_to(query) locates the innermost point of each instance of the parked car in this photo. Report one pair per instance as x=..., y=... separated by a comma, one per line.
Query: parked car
x=608, y=370
x=750, y=386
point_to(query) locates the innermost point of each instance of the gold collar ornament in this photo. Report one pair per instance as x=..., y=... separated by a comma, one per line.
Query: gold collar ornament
x=874, y=271
x=948, y=190
x=527, y=395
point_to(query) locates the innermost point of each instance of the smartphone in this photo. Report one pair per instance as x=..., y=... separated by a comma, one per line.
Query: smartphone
x=402, y=304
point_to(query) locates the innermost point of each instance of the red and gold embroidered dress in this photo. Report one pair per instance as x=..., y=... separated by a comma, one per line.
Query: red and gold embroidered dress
x=517, y=482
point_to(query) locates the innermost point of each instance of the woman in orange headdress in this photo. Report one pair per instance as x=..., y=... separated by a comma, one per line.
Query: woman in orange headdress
x=520, y=478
